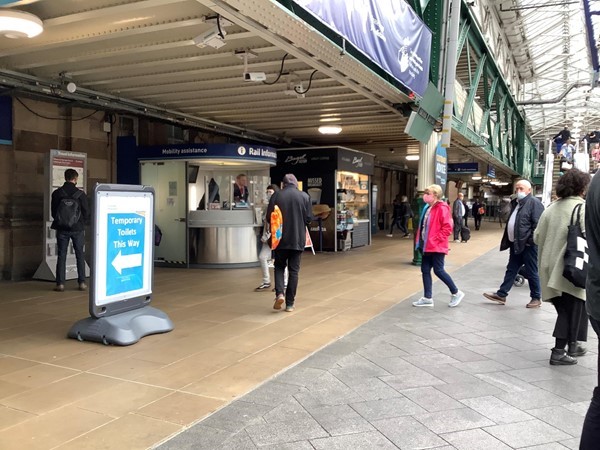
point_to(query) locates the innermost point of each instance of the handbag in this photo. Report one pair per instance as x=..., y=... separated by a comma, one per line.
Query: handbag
x=576, y=256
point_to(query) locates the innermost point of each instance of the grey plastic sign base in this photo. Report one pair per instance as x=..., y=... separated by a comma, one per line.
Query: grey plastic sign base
x=122, y=329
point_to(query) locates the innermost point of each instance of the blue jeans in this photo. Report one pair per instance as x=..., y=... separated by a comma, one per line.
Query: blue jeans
x=528, y=257
x=291, y=260
x=435, y=261
x=62, y=241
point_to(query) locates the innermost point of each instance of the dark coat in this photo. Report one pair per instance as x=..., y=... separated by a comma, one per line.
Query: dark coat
x=59, y=194
x=297, y=214
x=526, y=221
x=592, y=230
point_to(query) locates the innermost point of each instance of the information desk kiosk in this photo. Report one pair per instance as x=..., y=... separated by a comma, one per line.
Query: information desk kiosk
x=209, y=202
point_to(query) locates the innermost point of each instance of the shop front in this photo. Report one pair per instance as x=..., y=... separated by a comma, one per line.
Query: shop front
x=209, y=202
x=338, y=181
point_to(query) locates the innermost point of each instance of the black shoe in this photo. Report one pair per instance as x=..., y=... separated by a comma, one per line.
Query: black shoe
x=576, y=349
x=559, y=357
x=263, y=287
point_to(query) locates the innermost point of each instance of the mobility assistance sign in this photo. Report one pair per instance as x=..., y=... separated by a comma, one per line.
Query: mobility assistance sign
x=123, y=256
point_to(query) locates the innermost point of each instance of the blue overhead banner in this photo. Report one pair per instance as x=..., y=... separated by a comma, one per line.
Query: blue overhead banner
x=441, y=166
x=471, y=167
x=5, y=120
x=210, y=151
x=389, y=32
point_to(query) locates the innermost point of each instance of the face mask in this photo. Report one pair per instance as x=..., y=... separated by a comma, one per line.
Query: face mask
x=428, y=198
x=521, y=195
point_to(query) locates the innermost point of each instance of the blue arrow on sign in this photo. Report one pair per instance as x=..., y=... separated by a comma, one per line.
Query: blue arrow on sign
x=125, y=250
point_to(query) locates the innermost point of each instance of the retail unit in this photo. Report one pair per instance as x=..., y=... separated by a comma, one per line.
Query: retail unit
x=338, y=181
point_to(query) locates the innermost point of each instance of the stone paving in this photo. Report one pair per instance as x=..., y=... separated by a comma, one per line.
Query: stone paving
x=472, y=377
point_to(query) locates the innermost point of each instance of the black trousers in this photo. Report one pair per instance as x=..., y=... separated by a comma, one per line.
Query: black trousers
x=590, y=436
x=477, y=220
x=291, y=260
x=572, y=319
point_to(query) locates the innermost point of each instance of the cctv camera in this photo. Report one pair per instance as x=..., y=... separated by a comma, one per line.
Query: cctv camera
x=255, y=76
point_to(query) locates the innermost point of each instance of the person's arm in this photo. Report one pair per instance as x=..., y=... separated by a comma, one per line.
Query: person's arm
x=536, y=213
x=85, y=207
x=308, y=218
x=54, y=203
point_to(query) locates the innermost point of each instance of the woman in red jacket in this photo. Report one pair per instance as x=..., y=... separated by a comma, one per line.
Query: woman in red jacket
x=432, y=235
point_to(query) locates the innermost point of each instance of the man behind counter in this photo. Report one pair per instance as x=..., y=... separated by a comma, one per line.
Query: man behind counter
x=240, y=189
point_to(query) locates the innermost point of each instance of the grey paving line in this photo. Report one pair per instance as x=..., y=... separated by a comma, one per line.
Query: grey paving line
x=472, y=377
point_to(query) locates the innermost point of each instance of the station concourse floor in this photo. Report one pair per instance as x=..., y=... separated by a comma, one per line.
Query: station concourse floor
x=354, y=367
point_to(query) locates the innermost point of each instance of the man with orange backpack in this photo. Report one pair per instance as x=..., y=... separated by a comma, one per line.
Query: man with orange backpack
x=289, y=213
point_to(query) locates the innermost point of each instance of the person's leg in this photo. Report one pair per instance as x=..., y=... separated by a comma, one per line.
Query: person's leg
x=281, y=261
x=440, y=272
x=426, y=265
x=457, y=224
x=263, y=257
x=512, y=268
x=62, y=244
x=561, y=327
x=294, y=258
x=590, y=436
x=403, y=225
x=530, y=257
x=78, y=238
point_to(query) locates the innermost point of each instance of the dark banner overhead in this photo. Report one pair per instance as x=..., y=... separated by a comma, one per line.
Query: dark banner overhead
x=389, y=32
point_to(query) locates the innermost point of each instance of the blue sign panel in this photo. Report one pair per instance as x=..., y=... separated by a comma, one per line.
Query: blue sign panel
x=472, y=167
x=124, y=249
x=210, y=151
x=5, y=120
x=441, y=166
x=389, y=32
x=491, y=172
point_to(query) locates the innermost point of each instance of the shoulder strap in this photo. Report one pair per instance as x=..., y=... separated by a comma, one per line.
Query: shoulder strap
x=576, y=210
x=77, y=194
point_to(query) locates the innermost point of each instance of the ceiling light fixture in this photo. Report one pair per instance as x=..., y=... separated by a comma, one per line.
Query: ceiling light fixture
x=476, y=177
x=330, y=129
x=18, y=24
x=412, y=157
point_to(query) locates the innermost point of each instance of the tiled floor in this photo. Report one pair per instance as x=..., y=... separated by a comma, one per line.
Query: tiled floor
x=469, y=378
x=61, y=393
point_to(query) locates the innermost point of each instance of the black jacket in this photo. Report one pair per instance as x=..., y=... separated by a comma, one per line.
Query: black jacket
x=592, y=231
x=59, y=194
x=297, y=214
x=526, y=221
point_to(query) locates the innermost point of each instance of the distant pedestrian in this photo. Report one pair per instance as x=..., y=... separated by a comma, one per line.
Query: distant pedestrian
x=590, y=436
x=478, y=210
x=458, y=215
x=466, y=216
x=551, y=238
x=296, y=215
x=264, y=255
x=70, y=212
x=431, y=237
x=524, y=215
x=396, y=215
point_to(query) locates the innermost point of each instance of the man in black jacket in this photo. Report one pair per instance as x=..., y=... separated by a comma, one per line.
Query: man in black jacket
x=75, y=232
x=590, y=436
x=525, y=213
x=296, y=212
x=458, y=215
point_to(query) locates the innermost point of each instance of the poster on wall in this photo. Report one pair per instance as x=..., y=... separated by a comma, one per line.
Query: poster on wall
x=62, y=160
x=441, y=166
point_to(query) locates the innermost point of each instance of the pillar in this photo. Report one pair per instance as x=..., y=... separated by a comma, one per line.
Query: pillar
x=425, y=177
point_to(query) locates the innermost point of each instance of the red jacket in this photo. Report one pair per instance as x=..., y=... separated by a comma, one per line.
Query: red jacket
x=437, y=231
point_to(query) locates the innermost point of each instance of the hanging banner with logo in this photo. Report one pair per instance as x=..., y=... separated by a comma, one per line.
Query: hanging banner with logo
x=441, y=166
x=389, y=32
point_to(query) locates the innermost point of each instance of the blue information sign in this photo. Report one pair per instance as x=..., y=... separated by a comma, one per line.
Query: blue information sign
x=441, y=166
x=125, y=248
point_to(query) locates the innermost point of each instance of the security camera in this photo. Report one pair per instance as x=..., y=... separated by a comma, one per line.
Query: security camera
x=255, y=76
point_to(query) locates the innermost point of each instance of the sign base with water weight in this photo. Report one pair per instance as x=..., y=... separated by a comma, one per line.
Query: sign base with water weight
x=123, y=271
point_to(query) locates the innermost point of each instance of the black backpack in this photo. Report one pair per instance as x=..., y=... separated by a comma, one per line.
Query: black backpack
x=68, y=211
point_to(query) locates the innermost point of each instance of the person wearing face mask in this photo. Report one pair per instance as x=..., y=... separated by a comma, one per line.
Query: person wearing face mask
x=431, y=238
x=524, y=215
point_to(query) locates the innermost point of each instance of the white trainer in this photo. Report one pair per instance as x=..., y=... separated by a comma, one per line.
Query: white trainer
x=455, y=299
x=424, y=301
